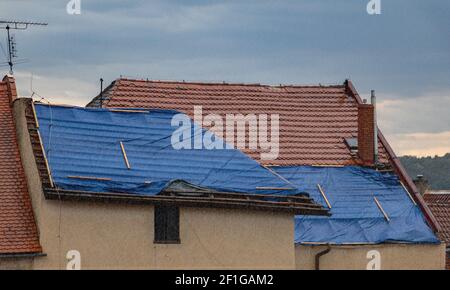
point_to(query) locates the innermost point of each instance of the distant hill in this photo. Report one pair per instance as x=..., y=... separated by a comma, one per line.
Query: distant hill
x=435, y=169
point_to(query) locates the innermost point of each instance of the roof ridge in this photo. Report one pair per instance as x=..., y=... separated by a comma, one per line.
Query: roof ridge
x=224, y=83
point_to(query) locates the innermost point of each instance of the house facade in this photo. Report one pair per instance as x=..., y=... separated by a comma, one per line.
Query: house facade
x=330, y=147
x=100, y=199
x=102, y=187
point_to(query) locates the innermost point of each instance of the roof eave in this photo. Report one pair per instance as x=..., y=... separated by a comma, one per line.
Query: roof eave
x=25, y=255
x=204, y=201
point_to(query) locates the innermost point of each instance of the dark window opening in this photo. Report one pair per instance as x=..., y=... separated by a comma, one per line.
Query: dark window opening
x=352, y=143
x=167, y=224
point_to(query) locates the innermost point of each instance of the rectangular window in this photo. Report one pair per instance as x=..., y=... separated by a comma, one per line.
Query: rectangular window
x=167, y=224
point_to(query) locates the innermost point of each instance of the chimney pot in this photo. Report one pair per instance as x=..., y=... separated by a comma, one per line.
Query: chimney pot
x=12, y=90
x=422, y=184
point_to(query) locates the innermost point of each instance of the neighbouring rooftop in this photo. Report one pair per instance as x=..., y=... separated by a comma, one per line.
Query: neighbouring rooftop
x=439, y=203
x=314, y=120
x=18, y=232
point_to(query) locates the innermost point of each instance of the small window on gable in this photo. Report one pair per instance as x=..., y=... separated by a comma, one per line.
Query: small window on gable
x=167, y=224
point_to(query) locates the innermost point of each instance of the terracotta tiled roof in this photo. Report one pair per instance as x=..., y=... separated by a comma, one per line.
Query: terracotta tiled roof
x=314, y=120
x=18, y=233
x=439, y=203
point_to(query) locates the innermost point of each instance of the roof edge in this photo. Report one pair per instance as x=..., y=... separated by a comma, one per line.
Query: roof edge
x=211, y=200
x=218, y=83
x=25, y=255
x=400, y=170
x=112, y=86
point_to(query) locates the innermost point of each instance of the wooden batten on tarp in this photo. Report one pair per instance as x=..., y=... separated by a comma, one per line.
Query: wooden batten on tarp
x=89, y=178
x=124, y=153
x=381, y=209
x=278, y=175
x=409, y=194
x=328, y=165
x=128, y=111
x=274, y=188
x=324, y=196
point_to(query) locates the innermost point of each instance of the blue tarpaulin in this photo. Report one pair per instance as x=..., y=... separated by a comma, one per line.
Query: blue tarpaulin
x=85, y=142
x=355, y=216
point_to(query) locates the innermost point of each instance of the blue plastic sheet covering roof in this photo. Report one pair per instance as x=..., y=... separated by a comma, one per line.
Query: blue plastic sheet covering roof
x=355, y=216
x=85, y=142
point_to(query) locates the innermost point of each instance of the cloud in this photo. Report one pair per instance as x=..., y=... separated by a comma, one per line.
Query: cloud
x=429, y=113
x=56, y=90
x=421, y=144
x=402, y=53
x=417, y=126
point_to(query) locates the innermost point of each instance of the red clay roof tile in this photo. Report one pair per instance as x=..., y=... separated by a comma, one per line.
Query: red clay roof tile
x=314, y=120
x=439, y=203
x=18, y=233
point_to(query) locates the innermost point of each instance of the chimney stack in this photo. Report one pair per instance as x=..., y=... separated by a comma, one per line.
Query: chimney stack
x=12, y=90
x=422, y=184
x=366, y=133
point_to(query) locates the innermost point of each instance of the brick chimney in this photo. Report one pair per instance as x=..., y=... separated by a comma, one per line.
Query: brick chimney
x=366, y=133
x=12, y=90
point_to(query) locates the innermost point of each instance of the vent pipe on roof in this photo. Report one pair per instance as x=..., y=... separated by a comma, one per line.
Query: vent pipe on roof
x=373, y=100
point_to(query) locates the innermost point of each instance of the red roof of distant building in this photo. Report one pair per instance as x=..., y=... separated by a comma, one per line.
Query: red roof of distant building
x=18, y=233
x=439, y=203
x=314, y=120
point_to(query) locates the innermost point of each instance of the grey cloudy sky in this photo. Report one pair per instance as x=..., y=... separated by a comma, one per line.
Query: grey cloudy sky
x=404, y=53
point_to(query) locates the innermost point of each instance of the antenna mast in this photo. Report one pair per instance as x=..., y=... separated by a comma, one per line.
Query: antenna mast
x=16, y=25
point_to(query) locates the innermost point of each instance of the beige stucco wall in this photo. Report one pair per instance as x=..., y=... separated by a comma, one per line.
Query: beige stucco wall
x=16, y=263
x=120, y=236
x=117, y=236
x=392, y=257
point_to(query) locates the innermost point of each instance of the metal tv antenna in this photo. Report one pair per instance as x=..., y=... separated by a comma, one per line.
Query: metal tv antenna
x=12, y=50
